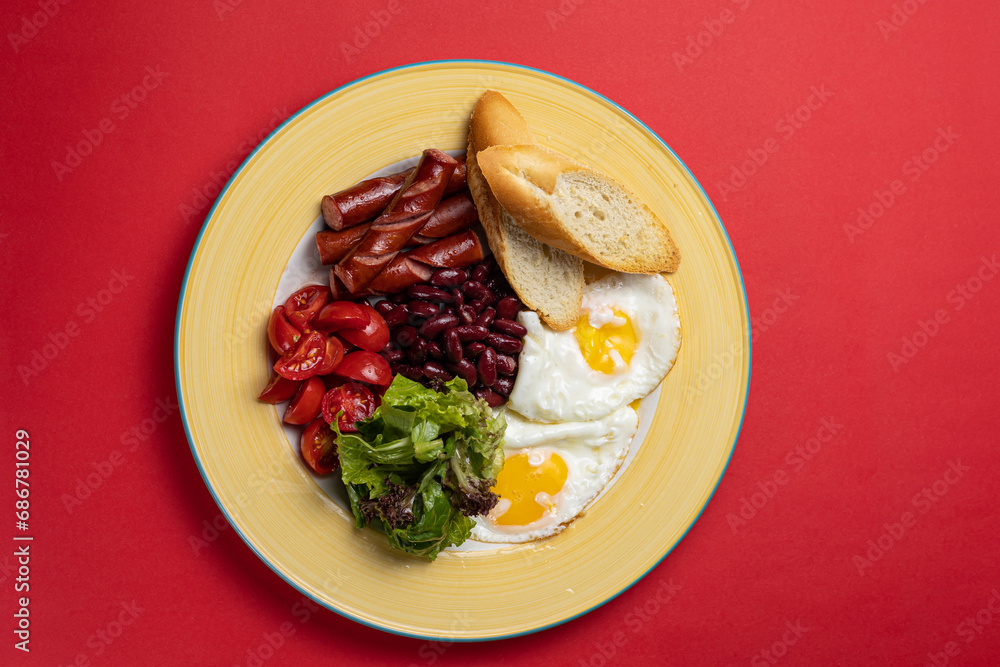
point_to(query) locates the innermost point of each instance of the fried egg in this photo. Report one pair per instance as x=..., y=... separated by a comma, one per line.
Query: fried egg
x=624, y=344
x=552, y=472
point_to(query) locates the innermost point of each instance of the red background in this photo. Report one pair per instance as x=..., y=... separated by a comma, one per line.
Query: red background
x=230, y=75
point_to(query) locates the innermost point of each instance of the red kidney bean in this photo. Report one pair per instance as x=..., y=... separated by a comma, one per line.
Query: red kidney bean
x=508, y=307
x=476, y=290
x=503, y=386
x=392, y=353
x=449, y=277
x=397, y=316
x=506, y=365
x=473, y=350
x=417, y=352
x=459, y=298
x=502, y=343
x=433, y=327
x=434, y=350
x=477, y=306
x=423, y=309
x=400, y=297
x=428, y=293
x=383, y=307
x=453, y=345
x=467, y=370
x=487, y=366
x=435, y=371
x=485, y=318
x=480, y=272
x=509, y=327
x=448, y=309
x=406, y=335
x=493, y=399
x=406, y=370
x=466, y=314
x=471, y=332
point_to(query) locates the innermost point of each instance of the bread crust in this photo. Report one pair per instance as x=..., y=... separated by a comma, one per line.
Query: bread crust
x=495, y=121
x=524, y=179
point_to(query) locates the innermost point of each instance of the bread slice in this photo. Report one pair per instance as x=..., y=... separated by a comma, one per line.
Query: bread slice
x=577, y=209
x=547, y=280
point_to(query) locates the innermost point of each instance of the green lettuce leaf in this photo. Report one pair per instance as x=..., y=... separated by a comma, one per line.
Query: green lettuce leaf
x=423, y=462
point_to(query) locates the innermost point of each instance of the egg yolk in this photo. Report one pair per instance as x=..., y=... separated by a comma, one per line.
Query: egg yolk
x=597, y=344
x=520, y=482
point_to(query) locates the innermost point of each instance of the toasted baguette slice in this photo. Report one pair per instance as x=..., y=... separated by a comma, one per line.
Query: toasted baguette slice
x=547, y=280
x=577, y=209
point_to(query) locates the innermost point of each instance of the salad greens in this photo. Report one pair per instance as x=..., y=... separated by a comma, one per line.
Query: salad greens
x=422, y=464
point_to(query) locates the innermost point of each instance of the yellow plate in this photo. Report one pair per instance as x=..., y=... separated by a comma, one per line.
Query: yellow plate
x=262, y=486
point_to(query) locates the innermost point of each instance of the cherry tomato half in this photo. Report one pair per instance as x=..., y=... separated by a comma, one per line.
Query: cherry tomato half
x=331, y=358
x=365, y=367
x=278, y=389
x=319, y=447
x=302, y=362
x=373, y=337
x=306, y=403
x=341, y=315
x=303, y=306
x=353, y=401
x=280, y=332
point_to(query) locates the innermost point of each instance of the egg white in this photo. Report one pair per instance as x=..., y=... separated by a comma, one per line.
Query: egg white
x=592, y=450
x=554, y=382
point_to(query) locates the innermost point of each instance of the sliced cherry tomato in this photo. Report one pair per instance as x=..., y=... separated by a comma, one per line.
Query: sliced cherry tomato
x=306, y=403
x=365, y=367
x=373, y=337
x=278, y=389
x=331, y=358
x=301, y=362
x=280, y=332
x=319, y=447
x=352, y=401
x=341, y=315
x=303, y=306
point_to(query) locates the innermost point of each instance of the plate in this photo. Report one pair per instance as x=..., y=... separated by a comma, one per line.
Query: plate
x=263, y=488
